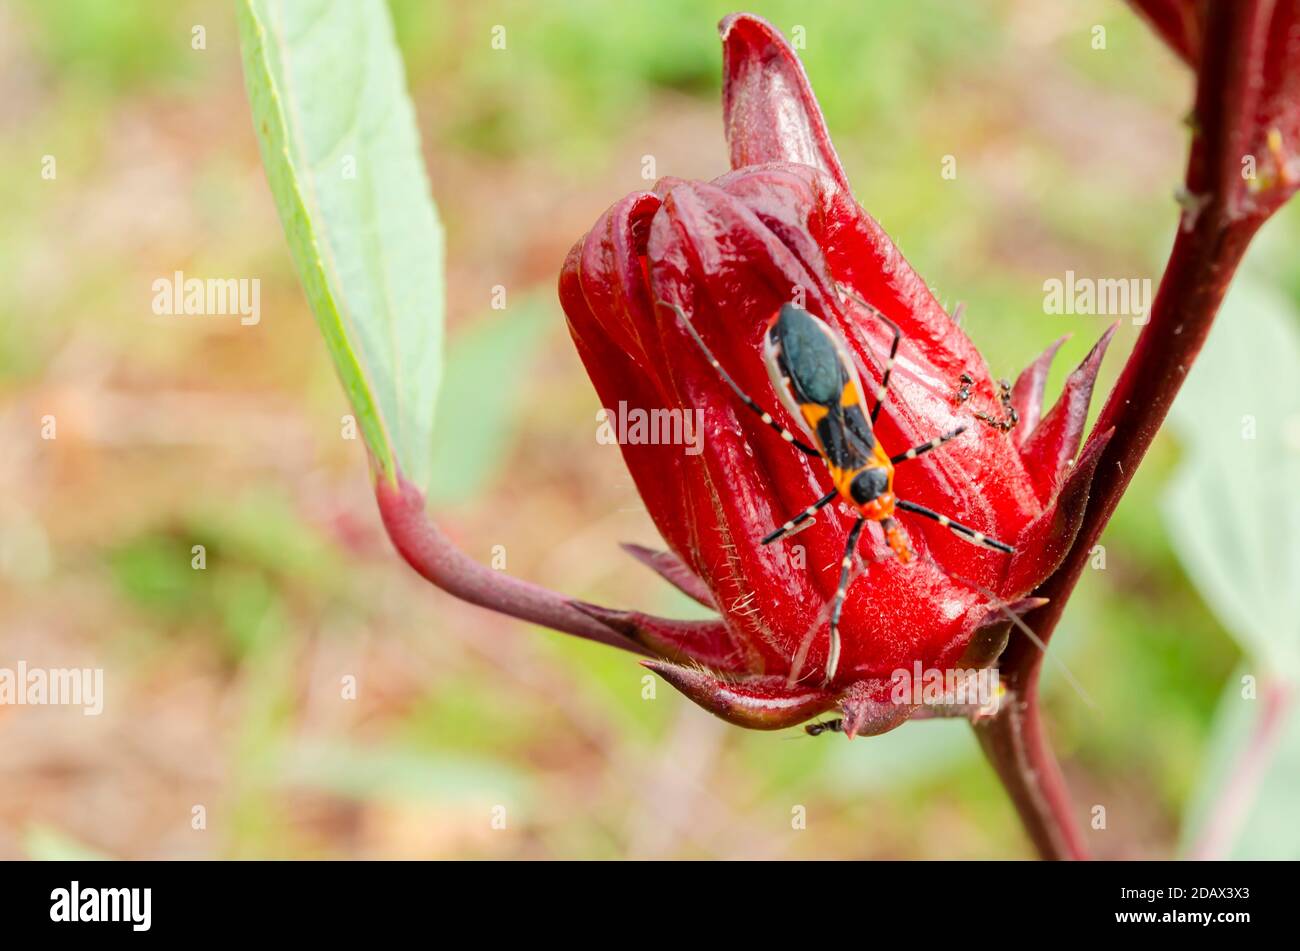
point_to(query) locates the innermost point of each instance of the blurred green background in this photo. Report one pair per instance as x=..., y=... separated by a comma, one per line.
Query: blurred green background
x=224, y=685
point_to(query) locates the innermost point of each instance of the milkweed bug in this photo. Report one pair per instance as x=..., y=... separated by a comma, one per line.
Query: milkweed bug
x=817, y=382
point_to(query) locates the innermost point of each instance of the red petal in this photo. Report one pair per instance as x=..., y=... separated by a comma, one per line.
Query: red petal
x=673, y=570
x=1051, y=447
x=1042, y=548
x=1027, y=394
x=759, y=703
x=869, y=708
x=700, y=642
x=990, y=637
x=602, y=290
x=769, y=111
x=1178, y=23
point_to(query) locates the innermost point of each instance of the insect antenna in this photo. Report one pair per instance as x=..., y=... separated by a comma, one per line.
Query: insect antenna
x=735, y=387
x=882, y=391
x=1020, y=625
x=1028, y=631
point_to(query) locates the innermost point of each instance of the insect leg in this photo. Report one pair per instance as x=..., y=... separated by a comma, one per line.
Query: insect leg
x=961, y=531
x=925, y=447
x=807, y=514
x=735, y=387
x=883, y=390
x=837, y=607
x=896, y=540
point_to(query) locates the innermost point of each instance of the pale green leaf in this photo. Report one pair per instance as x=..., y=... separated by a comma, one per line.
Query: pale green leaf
x=1233, y=509
x=342, y=156
x=1233, y=514
x=1268, y=827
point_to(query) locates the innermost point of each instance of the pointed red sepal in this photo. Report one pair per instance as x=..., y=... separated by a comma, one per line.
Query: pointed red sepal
x=1043, y=545
x=1178, y=23
x=769, y=111
x=1027, y=394
x=673, y=570
x=759, y=703
x=704, y=642
x=869, y=709
x=1050, y=448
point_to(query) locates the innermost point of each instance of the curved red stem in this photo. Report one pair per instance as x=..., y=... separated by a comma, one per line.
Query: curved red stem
x=1017, y=748
x=434, y=556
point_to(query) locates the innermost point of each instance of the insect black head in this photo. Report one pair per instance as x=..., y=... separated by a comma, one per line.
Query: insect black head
x=869, y=484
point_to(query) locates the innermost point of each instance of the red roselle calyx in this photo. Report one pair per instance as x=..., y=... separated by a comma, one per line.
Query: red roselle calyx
x=783, y=225
x=1247, y=117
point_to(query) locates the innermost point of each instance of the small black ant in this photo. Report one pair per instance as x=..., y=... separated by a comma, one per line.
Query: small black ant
x=828, y=726
x=1010, y=417
x=967, y=381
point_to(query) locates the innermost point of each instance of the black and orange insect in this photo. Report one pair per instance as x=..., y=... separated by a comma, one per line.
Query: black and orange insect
x=818, y=384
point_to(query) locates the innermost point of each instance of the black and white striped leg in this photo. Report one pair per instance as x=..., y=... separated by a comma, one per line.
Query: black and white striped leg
x=925, y=447
x=837, y=606
x=961, y=531
x=744, y=397
x=882, y=391
x=807, y=515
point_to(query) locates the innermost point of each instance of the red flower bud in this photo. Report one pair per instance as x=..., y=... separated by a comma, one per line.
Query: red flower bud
x=1248, y=153
x=783, y=225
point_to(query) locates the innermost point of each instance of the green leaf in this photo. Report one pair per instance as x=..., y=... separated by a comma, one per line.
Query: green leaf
x=342, y=156
x=1233, y=511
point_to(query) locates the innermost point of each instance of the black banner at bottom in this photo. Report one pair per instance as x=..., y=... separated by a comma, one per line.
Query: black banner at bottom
x=337, y=899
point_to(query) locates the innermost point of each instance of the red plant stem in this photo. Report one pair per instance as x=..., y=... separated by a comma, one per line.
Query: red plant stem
x=434, y=556
x=1200, y=267
x=1196, y=278
x=1211, y=241
x=1015, y=745
x=1244, y=775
